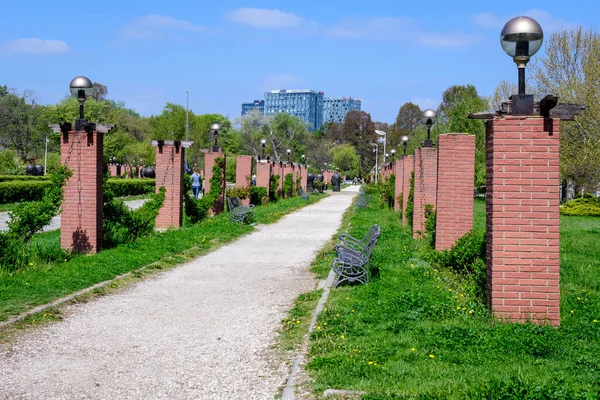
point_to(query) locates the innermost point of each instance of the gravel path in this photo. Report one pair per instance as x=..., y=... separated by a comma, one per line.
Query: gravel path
x=55, y=223
x=201, y=331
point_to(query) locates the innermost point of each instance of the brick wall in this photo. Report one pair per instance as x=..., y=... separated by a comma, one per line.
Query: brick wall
x=523, y=251
x=425, y=186
x=455, y=185
x=407, y=168
x=81, y=218
x=169, y=174
x=263, y=174
x=243, y=174
x=398, y=171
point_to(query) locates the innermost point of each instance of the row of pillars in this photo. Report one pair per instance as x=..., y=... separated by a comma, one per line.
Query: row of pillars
x=522, y=204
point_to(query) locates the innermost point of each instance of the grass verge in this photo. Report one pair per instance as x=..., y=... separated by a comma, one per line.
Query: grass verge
x=418, y=332
x=44, y=282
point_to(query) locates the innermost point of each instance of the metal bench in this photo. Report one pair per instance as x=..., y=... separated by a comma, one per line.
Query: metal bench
x=239, y=212
x=304, y=194
x=362, y=200
x=354, y=255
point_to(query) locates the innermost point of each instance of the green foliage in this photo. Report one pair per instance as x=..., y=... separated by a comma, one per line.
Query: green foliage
x=241, y=193
x=430, y=224
x=583, y=206
x=23, y=190
x=388, y=189
x=345, y=158
x=8, y=178
x=288, y=185
x=258, y=195
x=410, y=206
x=29, y=218
x=197, y=209
x=318, y=186
x=400, y=200
x=129, y=187
x=10, y=164
x=462, y=257
x=273, y=188
x=121, y=225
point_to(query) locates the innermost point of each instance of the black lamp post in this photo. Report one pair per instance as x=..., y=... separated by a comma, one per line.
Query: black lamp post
x=215, y=129
x=303, y=159
x=405, y=143
x=289, y=154
x=263, y=143
x=521, y=38
x=386, y=157
x=428, y=119
x=393, y=151
x=80, y=87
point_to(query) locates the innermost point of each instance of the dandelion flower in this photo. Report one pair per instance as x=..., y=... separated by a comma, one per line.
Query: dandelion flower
x=337, y=315
x=595, y=321
x=471, y=311
x=412, y=349
x=347, y=298
x=352, y=310
x=437, y=287
x=572, y=312
x=324, y=323
x=343, y=337
x=319, y=327
x=355, y=350
x=370, y=362
x=431, y=356
x=458, y=308
x=578, y=298
x=31, y=264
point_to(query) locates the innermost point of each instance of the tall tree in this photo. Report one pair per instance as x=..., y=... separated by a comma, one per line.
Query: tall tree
x=570, y=69
x=99, y=91
x=358, y=130
x=409, y=118
x=344, y=157
x=503, y=91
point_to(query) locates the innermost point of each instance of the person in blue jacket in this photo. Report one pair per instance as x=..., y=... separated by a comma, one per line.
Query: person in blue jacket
x=196, y=182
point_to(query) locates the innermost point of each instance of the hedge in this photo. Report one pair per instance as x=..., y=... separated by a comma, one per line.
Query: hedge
x=583, y=206
x=9, y=178
x=32, y=190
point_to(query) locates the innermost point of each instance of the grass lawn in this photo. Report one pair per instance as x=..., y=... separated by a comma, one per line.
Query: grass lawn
x=418, y=332
x=47, y=279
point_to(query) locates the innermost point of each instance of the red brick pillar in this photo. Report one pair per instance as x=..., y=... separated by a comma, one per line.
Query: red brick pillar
x=278, y=170
x=399, y=172
x=112, y=170
x=408, y=166
x=81, y=218
x=170, y=156
x=425, y=186
x=209, y=163
x=263, y=175
x=522, y=196
x=243, y=174
x=455, y=185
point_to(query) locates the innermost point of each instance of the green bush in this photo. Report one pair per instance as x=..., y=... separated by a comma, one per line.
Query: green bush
x=130, y=187
x=288, y=185
x=273, y=188
x=8, y=178
x=17, y=191
x=258, y=195
x=430, y=224
x=584, y=206
x=464, y=255
x=388, y=189
x=197, y=209
x=410, y=205
x=240, y=193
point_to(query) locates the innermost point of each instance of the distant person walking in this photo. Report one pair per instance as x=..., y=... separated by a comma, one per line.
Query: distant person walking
x=196, y=182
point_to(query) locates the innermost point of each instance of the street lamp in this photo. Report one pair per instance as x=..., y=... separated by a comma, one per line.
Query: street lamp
x=376, y=157
x=521, y=38
x=405, y=143
x=289, y=154
x=384, y=134
x=214, y=129
x=303, y=159
x=80, y=87
x=386, y=157
x=428, y=119
x=46, y=155
x=263, y=143
x=393, y=151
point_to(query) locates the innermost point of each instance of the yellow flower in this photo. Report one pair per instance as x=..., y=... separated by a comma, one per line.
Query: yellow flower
x=595, y=321
x=337, y=315
x=297, y=321
x=347, y=298
x=449, y=290
x=370, y=362
x=325, y=309
x=27, y=283
x=464, y=308
x=412, y=349
x=356, y=351
x=572, y=312
x=324, y=323
x=471, y=311
x=319, y=327
x=343, y=337
x=31, y=264
x=461, y=295
x=458, y=308
x=352, y=310
x=431, y=356
x=578, y=298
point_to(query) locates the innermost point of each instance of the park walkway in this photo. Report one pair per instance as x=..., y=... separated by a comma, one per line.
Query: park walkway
x=204, y=330
x=55, y=223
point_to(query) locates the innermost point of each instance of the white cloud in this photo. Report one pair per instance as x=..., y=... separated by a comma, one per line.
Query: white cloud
x=378, y=28
x=35, y=46
x=548, y=22
x=450, y=39
x=150, y=26
x=265, y=18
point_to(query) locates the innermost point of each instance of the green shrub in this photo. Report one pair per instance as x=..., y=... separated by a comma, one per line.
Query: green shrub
x=10, y=163
x=410, y=205
x=318, y=186
x=430, y=224
x=8, y=178
x=400, y=200
x=240, y=193
x=197, y=209
x=273, y=188
x=258, y=195
x=462, y=257
x=388, y=189
x=129, y=187
x=288, y=185
x=584, y=206
x=21, y=191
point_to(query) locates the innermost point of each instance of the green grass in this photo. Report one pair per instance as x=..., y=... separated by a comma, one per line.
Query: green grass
x=8, y=207
x=416, y=332
x=52, y=275
x=295, y=326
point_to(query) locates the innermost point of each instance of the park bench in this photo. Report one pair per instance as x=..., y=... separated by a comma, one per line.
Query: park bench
x=354, y=255
x=239, y=212
x=304, y=194
x=363, y=200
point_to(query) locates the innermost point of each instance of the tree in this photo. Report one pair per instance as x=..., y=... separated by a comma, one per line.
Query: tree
x=345, y=158
x=358, y=130
x=99, y=91
x=570, y=69
x=409, y=118
x=23, y=126
x=502, y=93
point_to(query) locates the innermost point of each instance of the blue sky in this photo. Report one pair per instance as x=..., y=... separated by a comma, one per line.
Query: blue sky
x=150, y=52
